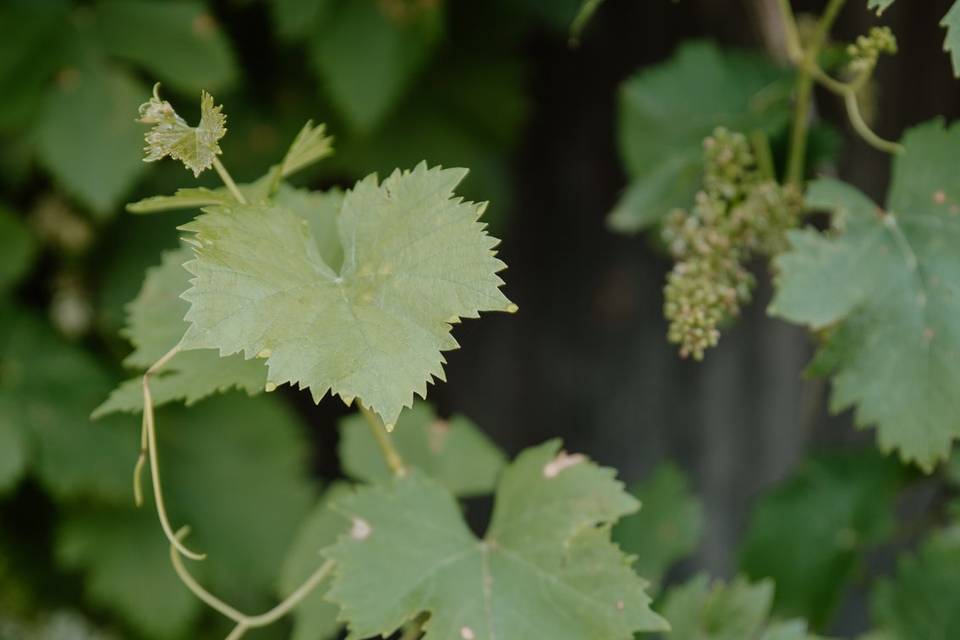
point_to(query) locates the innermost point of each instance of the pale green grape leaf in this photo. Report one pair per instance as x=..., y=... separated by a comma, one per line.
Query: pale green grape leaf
x=178, y=42
x=17, y=248
x=197, y=147
x=788, y=630
x=455, y=453
x=367, y=58
x=828, y=514
x=31, y=54
x=242, y=488
x=951, y=44
x=296, y=19
x=315, y=618
x=189, y=198
x=311, y=145
x=416, y=259
x=699, y=610
x=667, y=111
x=320, y=209
x=879, y=5
x=545, y=569
x=668, y=526
x=90, y=104
x=155, y=325
x=47, y=389
x=127, y=569
x=887, y=286
x=920, y=602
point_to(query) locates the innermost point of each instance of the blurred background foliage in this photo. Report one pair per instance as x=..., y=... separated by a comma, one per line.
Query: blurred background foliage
x=549, y=135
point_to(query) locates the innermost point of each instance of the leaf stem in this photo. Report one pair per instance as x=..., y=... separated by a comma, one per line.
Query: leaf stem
x=149, y=438
x=228, y=180
x=390, y=453
x=244, y=622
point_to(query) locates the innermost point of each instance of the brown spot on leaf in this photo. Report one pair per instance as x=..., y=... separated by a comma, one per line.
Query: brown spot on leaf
x=939, y=196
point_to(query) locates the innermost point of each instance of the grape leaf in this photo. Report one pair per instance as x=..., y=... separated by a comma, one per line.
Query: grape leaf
x=155, y=325
x=47, y=389
x=667, y=111
x=296, y=19
x=667, y=528
x=879, y=5
x=886, y=286
x=92, y=103
x=178, y=42
x=827, y=514
x=311, y=145
x=189, y=198
x=699, y=610
x=951, y=43
x=197, y=147
x=546, y=567
x=415, y=260
x=454, y=453
x=17, y=248
x=315, y=618
x=220, y=466
x=367, y=58
x=920, y=603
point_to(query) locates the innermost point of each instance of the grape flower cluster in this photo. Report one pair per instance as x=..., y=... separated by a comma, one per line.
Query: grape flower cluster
x=866, y=51
x=739, y=214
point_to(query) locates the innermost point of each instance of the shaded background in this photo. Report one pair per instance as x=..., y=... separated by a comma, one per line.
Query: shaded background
x=586, y=357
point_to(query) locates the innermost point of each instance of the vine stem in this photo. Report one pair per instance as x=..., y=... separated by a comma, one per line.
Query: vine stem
x=148, y=449
x=810, y=73
x=244, y=621
x=228, y=180
x=390, y=453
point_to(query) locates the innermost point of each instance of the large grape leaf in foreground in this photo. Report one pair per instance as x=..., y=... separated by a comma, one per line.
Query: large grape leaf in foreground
x=887, y=286
x=416, y=259
x=545, y=569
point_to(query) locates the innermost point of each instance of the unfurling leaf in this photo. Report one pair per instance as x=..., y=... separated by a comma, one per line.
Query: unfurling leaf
x=310, y=145
x=884, y=286
x=415, y=260
x=545, y=568
x=171, y=136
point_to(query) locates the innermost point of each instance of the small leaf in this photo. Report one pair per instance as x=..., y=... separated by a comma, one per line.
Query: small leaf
x=310, y=146
x=189, y=198
x=546, y=567
x=668, y=526
x=667, y=111
x=315, y=618
x=17, y=249
x=155, y=325
x=920, y=602
x=171, y=136
x=455, y=453
x=951, y=43
x=828, y=514
x=178, y=42
x=699, y=610
x=884, y=284
x=415, y=259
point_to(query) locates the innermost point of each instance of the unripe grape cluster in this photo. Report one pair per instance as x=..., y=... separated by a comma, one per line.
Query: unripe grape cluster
x=866, y=51
x=738, y=214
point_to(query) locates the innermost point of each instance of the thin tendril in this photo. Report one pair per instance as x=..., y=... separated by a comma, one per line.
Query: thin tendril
x=244, y=622
x=150, y=436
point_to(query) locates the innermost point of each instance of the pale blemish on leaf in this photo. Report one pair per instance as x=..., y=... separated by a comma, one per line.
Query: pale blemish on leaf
x=360, y=529
x=563, y=461
x=467, y=633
